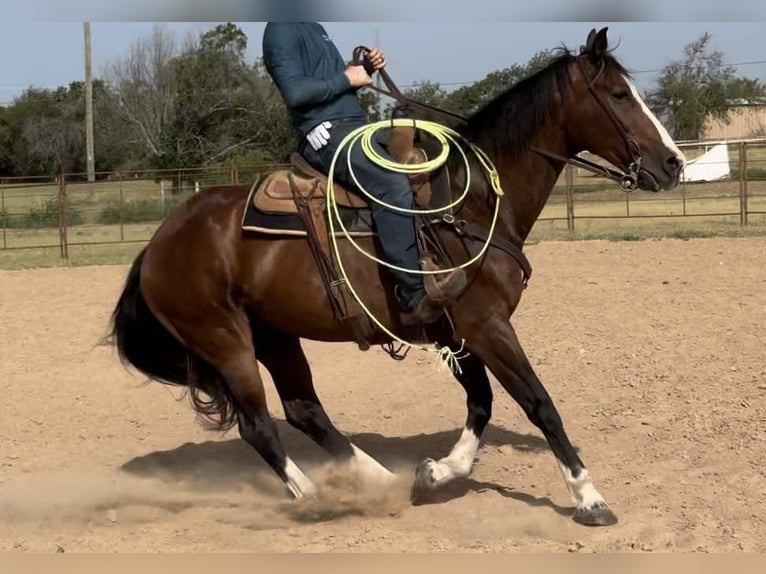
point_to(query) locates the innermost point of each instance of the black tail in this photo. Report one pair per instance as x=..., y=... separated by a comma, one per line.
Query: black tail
x=143, y=342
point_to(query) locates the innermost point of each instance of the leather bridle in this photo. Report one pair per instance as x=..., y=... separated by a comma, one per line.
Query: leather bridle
x=628, y=180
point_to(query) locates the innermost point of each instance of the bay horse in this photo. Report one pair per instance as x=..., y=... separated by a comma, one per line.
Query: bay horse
x=203, y=302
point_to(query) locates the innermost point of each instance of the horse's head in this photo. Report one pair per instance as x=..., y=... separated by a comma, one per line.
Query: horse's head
x=608, y=118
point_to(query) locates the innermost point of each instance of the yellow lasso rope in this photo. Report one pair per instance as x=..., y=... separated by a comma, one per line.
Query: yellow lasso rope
x=444, y=135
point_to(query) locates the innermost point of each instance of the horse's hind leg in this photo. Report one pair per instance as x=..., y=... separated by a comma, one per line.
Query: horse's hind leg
x=257, y=427
x=285, y=360
x=230, y=351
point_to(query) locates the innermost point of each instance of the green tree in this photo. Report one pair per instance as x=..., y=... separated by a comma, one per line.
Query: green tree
x=468, y=99
x=199, y=104
x=43, y=130
x=746, y=90
x=275, y=136
x=370, y=101
x=143, y=88
x=699, y=86
x=117, y=146
x=46, y=130
x=210, y=103
x=6, y=143
x=426, y=92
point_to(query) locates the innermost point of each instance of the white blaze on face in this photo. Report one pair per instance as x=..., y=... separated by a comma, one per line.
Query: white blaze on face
x=663, y=133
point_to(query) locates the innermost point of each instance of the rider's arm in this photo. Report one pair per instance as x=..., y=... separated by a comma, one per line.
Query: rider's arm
x=281, y=51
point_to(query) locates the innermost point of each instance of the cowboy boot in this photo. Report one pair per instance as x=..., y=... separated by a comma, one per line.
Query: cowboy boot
x=441, y=290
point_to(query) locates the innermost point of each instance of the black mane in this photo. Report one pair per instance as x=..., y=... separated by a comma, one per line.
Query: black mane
x=515, y=115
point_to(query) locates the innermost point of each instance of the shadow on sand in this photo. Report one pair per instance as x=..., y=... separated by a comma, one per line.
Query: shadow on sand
x=228, y=464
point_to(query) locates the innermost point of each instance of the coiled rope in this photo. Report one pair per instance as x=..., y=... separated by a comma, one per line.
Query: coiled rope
x=445, y=136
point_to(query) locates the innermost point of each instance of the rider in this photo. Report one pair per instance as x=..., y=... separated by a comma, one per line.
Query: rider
x=321, y=95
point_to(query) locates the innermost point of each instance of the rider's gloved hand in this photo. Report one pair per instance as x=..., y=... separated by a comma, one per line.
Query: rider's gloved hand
x=319, y=136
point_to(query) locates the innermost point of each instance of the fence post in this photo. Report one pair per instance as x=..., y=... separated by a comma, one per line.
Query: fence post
x=744, y=181
x=3, y=214
x=570, y=197
x=122, y=211
x=62, y=201
x=742, y=176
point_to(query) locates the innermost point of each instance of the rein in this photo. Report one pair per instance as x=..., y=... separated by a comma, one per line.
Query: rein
x=627, y=181
x=394, y=92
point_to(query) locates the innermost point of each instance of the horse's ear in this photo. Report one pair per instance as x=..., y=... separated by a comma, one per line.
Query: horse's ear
x=600, y=44
x=589, y=42
x=596, y=45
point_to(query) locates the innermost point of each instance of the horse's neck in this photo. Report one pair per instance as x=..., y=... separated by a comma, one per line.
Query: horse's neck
x=528, y=179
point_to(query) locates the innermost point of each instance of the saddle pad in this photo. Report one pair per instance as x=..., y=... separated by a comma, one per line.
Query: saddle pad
x=279, y=218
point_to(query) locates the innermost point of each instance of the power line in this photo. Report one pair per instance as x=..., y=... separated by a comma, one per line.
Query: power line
x=654, y=71
x=403, y=86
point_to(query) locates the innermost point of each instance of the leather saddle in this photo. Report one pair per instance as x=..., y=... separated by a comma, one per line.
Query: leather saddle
x=277, y=191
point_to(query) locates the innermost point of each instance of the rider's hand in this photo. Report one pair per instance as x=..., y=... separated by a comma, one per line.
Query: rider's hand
x=377, y=58
x=358, y=77
x=319, y=136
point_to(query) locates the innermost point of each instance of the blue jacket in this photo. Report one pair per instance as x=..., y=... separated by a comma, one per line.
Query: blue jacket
x=308, y=70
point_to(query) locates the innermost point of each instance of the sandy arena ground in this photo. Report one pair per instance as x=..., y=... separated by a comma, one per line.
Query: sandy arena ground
x=653, y=352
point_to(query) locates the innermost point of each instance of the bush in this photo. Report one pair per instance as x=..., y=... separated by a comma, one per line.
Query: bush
x=142, y=211
x=627, y=236
x=43, y=216
x=753, y=173
x=132, y=212
x=687, y=234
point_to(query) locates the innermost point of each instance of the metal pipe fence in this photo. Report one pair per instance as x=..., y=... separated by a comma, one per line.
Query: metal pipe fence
x=124, y=208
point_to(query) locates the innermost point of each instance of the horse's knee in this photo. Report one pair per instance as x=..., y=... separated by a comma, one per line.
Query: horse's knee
x=307, y=416
x=299, y=415
x=261, y=432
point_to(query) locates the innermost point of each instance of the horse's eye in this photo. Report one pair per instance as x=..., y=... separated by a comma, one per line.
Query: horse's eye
x=621, y=95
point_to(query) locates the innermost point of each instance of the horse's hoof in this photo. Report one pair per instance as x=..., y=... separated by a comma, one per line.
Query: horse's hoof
x=423, y=485
x=597, y=515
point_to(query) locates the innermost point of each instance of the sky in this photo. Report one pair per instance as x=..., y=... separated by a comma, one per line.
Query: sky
x=50, y=54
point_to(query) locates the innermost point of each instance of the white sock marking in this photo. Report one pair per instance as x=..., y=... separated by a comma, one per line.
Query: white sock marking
x=581, y=488
x=297, y=483
x=459, y=462
x=369, y=468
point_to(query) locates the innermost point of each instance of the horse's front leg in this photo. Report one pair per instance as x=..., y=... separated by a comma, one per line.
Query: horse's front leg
x=497, y=345
x=432, y=474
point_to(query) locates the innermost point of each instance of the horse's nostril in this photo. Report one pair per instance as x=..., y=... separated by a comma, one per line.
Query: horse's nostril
x=674, y=165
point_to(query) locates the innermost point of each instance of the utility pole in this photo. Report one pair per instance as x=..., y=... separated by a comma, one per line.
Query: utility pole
x=88, y=105
x=377, y=45
x=377, y=76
